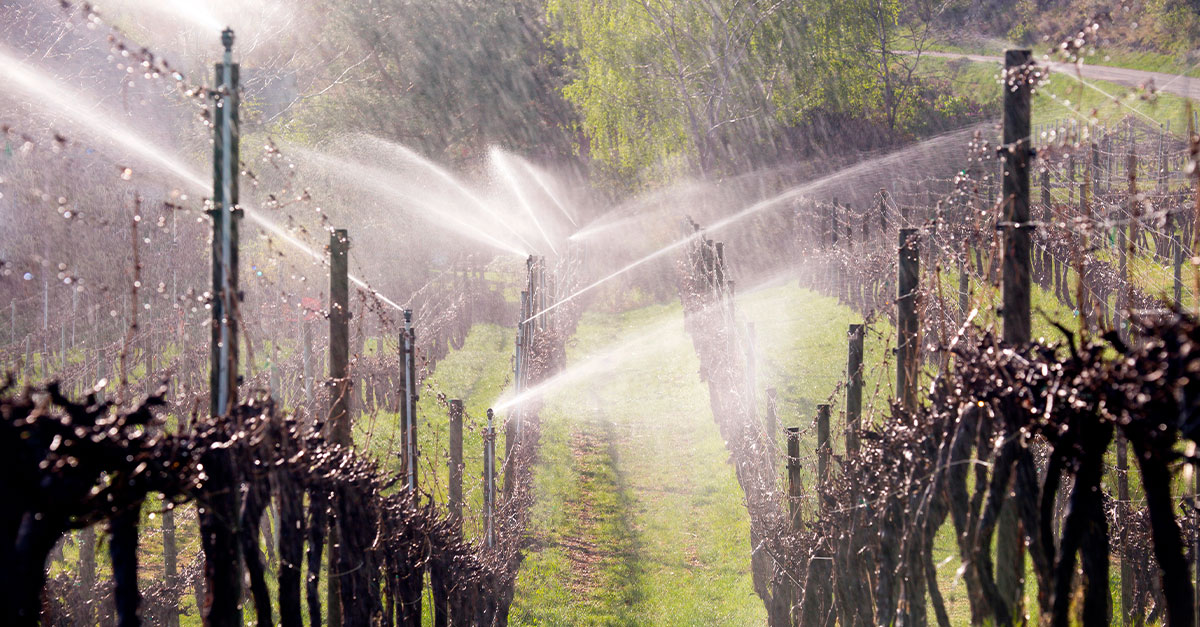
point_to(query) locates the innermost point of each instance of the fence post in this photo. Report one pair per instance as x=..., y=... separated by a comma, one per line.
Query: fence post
x=907, y=326
x=223, y=556
x=833, y=224
x=87, y=570
x=1178, y=263
x=489, y=481
x=339, y=337
x=512, y=430
x=339, y=376
x=820, y=568
x=824, y=447
x=225, y=236
x=1135, y=233
x=408, y=434
x=170, y=570
x=1010, y=558
x=772, y=416
x=793, y=472
x=964, y=281
x=456, y=461
x=854, y=377
x=306, y=339
x=1123, y=521
x=751, y=374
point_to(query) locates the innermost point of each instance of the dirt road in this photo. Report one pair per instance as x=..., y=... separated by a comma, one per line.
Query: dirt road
x=1175, y=84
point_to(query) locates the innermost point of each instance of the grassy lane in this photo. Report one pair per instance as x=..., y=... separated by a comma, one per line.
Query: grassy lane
x=639, y=518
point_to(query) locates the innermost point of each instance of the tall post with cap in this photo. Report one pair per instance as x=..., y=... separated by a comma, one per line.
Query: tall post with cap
x=489, y=480
x=225, y=215
x=409, y=433
x=219, y=519
x=1014, y=156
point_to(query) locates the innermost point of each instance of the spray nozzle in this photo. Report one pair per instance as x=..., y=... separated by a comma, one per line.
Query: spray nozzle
x=227, y=39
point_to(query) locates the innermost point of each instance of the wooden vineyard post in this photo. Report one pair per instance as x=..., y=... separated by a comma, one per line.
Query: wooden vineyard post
x=1131, y=167
x=964, y=282
x=824, y=447
x=833, y=225
x=339, y=378
x=339, y=337
x=1047, y=261
x=1123, y=329
x=456, y=461
x=751, y=374
x=906, y=319
x=772, y=422
x=820, y=568
x=854, y=377
x=1162, y=186
x=1123, y=521
x=87, y=570
x=1122, y=289
x=306, y=338
x=793, y=473
x=1177, y=249
x=170, y=569
x=1010, y=557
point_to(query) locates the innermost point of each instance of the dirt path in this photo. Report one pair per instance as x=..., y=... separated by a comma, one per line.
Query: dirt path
x=582, y=551
x=601, y=535
x=1175, y=84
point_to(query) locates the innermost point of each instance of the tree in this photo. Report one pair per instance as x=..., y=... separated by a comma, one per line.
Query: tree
x=717, y=84
x=449, y=77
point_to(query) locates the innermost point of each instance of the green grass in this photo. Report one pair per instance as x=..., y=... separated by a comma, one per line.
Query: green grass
x=1112, y=57
x=639, y=518
x=1065, y=97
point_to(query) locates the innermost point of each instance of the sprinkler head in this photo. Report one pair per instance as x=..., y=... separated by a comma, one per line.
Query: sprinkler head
x=408, y=315
x=227, y=39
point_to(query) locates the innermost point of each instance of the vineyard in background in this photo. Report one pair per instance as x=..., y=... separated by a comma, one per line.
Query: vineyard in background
x=984, y=438
x=347, y=487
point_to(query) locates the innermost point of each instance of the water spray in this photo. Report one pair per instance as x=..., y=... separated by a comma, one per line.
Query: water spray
x=794, y=193
x=502, y=165
x=62, y=99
